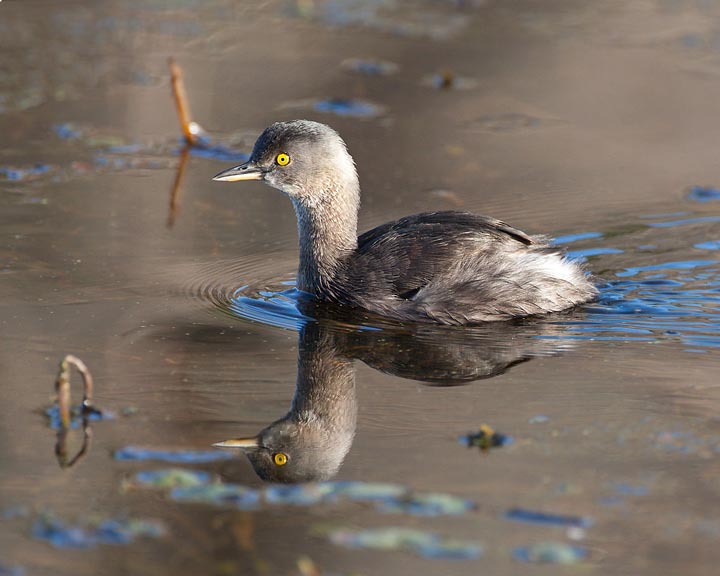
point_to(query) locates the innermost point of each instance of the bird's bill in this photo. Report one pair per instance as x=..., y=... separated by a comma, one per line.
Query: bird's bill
x=247, y=171
x=251, y=442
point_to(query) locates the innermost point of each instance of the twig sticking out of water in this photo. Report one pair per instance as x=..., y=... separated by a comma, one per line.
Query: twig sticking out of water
x=62, y=388
x=189, y=128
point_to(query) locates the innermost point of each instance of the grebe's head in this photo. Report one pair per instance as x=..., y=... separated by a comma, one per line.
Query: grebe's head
x=306, y=160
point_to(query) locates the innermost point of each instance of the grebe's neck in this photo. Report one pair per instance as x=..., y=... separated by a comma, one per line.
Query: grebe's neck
x=327, y=230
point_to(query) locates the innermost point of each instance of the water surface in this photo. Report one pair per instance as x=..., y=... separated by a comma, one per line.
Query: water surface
x=591, y=123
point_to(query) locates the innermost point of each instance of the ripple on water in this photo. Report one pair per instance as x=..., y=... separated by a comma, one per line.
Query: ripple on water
x=677, y=300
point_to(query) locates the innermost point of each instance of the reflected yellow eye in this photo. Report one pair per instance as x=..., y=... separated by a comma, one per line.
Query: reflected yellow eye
x=282, y=160
x=280, y=459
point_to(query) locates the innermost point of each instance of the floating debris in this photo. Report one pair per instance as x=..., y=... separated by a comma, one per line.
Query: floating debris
x=485, y=439
x=369, y=67
x=112, y=531
x=426, y=544
x=234, y=495
x=551, y=553
x=170, y=478
x=171, y=456
x=535, y=517
x=703, y=194
x=448, y=80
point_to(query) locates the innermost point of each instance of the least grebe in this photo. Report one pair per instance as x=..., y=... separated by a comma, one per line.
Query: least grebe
x=448, y=267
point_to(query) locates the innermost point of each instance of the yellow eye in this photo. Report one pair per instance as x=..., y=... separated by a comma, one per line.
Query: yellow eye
x=280, y=459
x=282, y=160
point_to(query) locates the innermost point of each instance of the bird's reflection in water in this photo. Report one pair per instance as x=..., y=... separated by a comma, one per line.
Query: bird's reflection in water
x=310, y=442
x=312, y=439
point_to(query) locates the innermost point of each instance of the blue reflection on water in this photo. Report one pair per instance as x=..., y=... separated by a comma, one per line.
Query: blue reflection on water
x=672, y=301
x=574, y=238
x=673, y=223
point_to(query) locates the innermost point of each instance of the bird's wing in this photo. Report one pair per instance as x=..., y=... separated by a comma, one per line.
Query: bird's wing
x=453, y=220
x=401, y=257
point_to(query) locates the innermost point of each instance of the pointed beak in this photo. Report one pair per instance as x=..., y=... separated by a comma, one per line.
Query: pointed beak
x=247, y=171
x=252, y=442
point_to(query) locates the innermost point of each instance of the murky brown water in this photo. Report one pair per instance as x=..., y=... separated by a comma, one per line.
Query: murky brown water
x=567, y=119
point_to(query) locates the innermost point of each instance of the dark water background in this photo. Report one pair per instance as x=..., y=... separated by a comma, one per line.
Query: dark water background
x=595, y=122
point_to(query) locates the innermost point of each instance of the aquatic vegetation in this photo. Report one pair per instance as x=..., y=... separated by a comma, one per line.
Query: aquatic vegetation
x=299, y=495
x=370, y=67
x=170, y=478
x=171, y=456
x=233, y=495
x=349, y=107
x=551, y=553
x=368, y=491
x=387, y=16
x=89, y=534
x=703, y=194
x=709, y=245
x=428, y=504
x=539, y=419
x=192, y=486
x=15, y=512
x=686, y=442
x=537, y=517
x=15, y=174
x=630, y=489
x=485, y=438
x=426, y=544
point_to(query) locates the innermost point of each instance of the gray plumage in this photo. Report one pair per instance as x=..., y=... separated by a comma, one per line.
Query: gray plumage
x=447, y=267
